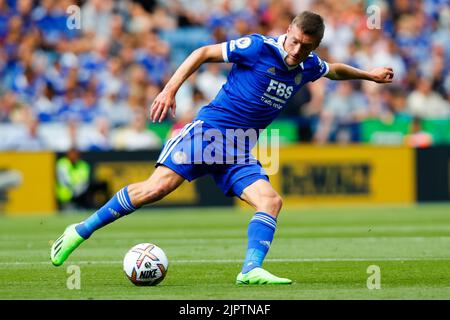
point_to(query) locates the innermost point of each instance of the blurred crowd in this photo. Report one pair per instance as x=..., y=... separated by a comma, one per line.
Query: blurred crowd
x=89, y=82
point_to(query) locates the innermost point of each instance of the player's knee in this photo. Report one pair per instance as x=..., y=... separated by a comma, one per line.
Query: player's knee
x=278, y=203
x=271, y=204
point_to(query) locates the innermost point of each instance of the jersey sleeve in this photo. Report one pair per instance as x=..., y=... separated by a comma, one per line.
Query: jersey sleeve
x=320, y=68
x=243, y=51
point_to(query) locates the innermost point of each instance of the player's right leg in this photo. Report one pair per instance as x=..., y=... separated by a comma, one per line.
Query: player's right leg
x=267, y=203
x=162, y=182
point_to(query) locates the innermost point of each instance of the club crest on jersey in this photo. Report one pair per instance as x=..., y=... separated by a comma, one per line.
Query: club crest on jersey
x=179, y=157
x=271, y=70
x=321, y=64
x=298, y=78
x=243, y=43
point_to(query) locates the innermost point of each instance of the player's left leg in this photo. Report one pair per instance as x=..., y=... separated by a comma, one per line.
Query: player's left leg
x=128, y=199
x=267, y=203
x=168, y=175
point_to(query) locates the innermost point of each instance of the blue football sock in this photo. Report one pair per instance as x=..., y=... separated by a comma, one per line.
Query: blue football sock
x=260, y=235
x=118, y=206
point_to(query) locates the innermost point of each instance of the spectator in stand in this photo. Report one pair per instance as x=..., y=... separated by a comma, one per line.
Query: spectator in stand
x=26, y=138
x=116, y=110
x=112, y=78
x=50, y=18
x=425, y=103
x=24, y=9
x=94, y=62
x=136, y=136
x=341, y=114
x=126, y=48
x=98, y=138
x=44, y=107
x=63, y=73
x=85, y=109
x=118, y=35
x=210, y=81
x=5, y=14
x=28, y=84
x=436, y=68
x=393, y=104
x=9, y=105
x=96, y=16
x=140, y=20
x=418, y=138
x=153, y=56
x=198, y=100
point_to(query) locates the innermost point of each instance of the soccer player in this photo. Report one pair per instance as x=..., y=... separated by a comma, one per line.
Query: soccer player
x=266, y=73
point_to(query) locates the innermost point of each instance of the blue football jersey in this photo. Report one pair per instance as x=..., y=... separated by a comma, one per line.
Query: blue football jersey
x=259, y=84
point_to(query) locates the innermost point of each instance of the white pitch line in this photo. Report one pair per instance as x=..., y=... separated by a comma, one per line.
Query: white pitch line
x=93, y=262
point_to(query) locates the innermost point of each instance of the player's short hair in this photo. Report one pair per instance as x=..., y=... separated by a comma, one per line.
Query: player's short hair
x=310, y=23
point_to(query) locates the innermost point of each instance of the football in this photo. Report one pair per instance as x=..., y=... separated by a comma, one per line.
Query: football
x=145, y=264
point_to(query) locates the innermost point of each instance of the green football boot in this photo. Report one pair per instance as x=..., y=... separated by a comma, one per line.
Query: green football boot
x=260, y=276
x=64, y=245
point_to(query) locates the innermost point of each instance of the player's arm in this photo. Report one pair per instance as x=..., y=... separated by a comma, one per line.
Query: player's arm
x=341, y=71
x=166, y=99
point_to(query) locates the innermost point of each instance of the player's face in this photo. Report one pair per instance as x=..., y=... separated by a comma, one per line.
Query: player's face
x=298, y=45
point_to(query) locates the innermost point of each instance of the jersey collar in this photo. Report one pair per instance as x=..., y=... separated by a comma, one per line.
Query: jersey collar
x=280, y=44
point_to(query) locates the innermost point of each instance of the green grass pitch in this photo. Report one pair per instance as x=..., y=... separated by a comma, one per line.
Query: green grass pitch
x=326, y=251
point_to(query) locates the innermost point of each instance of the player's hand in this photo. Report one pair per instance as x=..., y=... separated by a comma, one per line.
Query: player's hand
x=163, y=102
x=382, y=75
